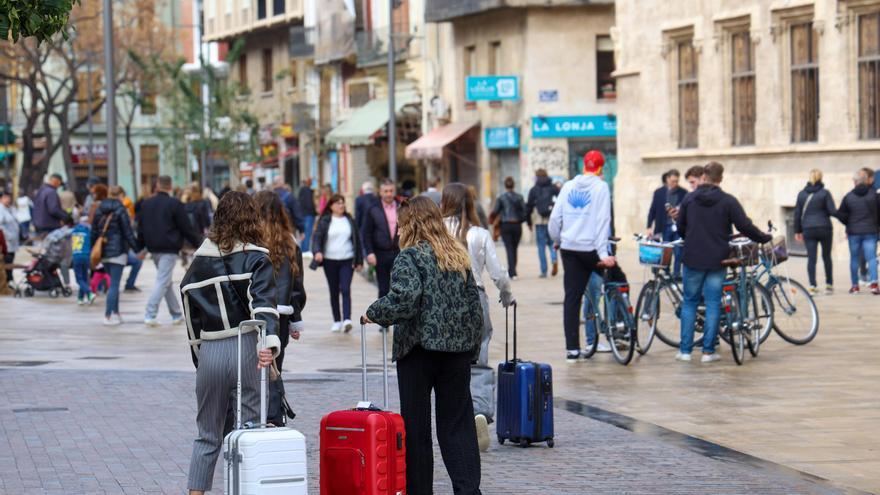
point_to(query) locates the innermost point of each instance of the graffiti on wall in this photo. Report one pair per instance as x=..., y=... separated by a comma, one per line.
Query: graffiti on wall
x=552, y=158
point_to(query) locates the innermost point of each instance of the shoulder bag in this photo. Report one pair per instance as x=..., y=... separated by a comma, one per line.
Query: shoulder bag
x=98, y=245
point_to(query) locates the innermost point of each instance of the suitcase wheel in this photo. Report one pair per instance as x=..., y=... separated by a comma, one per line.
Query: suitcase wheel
x=550, y=443
x=500, y=440
x=524, y=442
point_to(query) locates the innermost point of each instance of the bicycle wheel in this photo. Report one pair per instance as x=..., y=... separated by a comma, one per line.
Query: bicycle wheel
x=759, y=318
x=598, y=322
x=668, y=311
x=646, y=308
x=735, y=331
x=796, y=317
x=620, y=328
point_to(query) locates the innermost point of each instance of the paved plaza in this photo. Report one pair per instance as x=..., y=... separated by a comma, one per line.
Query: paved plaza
x=92, y=409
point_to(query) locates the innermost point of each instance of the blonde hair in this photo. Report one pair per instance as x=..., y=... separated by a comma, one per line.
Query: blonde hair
x=115, y=192
x=419, y=220
x=815, y=176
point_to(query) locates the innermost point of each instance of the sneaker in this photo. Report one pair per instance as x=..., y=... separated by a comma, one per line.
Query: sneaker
x=603, y=347
x=572, y=356
x=346, y=326
x=555, y=268
x=543, y=275
x=113, y=320
x=813, y=290
x=683, y=357
x=80, y=301
x=875, y=289
x=829, y=289
x=133, y=288
x=854, y=289
x=177, y=320
x=710, y=358
x=336, y=327
x=482, y=432
x=151, y=322
x=91, y=297
x=515, y=277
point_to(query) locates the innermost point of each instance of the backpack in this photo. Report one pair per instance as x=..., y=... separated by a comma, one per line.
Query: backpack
x=544, y=200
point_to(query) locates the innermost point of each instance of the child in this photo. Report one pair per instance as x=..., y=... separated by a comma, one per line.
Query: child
x=81, y=245
x=100, y=279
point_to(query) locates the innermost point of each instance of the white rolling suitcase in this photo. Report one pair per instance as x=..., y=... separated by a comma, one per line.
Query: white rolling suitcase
x=259, y=459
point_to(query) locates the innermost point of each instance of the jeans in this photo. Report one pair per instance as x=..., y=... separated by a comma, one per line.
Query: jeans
x=866, y=245
x=81, y=272
x=115, y=272
x=309, y=225
x=164, y=286
x=813, y=239
x=339, y=274
x=706, y=285
x=448, y=375
x=594, y=293
x=135, y=265
x=542, y=239
x=511, y=234
x=578, y=266
x=670, y=235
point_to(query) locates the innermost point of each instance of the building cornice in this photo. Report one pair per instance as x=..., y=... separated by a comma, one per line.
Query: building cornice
x=768, y=151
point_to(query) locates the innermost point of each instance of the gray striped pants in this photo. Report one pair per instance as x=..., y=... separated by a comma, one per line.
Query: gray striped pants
x=215, y=394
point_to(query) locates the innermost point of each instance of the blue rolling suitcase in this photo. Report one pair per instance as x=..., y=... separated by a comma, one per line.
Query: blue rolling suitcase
x=525, y=398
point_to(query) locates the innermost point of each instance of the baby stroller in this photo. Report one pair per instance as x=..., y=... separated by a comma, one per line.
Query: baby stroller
x=42, y=275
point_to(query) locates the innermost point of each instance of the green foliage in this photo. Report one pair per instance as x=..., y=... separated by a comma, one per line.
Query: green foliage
x=41, y=19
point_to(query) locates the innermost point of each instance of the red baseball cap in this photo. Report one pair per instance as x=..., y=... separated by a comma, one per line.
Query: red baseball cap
x=594, y=160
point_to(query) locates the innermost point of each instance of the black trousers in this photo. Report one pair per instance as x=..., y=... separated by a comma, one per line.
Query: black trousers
x=8, y=259
x=448, y=375
x=813, y=239
x=511, y=233
x=384, y=263
x=578, y=266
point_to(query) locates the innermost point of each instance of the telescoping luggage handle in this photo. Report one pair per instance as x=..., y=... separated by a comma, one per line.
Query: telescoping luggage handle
x=264, y=411
x=506, y=329
x=365, y=403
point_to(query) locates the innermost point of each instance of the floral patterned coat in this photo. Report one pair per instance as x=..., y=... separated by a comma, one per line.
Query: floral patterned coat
x=431, y=308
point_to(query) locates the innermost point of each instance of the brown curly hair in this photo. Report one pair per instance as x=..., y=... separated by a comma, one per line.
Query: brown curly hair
x=236, y=220
x=277, y=231
x=419, y=220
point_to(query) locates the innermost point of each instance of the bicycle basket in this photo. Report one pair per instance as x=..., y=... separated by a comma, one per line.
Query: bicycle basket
x=776, y=251
x=654, y=254
x=750, y=254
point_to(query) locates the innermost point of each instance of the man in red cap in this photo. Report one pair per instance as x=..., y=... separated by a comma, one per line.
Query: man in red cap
x=580, y=224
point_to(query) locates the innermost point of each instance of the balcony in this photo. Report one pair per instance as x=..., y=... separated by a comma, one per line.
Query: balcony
x=372, y=46
x=302, y=42
x=448, y=10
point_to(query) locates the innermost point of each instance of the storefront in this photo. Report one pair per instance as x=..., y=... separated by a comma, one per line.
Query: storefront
x=503, y=142
x=449, y=152
x=579, y=133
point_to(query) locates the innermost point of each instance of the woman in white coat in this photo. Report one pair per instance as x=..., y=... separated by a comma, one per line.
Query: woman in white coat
x=457, y=206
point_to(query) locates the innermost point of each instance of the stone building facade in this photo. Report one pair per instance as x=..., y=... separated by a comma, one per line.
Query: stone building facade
x=769, y=88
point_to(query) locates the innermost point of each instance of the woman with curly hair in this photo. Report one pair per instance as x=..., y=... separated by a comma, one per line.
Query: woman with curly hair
x=435, y=307
x=231, y=280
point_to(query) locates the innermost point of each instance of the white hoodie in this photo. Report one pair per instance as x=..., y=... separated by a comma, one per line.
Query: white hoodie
x=581, y=217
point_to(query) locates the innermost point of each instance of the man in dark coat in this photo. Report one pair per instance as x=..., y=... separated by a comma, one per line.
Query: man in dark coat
x=667, y=197
x=379, y=234
x=48, y=213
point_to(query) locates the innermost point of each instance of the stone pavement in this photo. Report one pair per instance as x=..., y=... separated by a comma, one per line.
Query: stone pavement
x=813, y=408
x=114, y=432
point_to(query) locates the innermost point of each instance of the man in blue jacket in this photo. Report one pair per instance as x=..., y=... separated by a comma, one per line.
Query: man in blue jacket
x=704, y=221
x=48, y=213
x=668, y=196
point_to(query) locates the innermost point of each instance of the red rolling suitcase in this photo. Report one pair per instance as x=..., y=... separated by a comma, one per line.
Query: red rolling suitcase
x=363, y=450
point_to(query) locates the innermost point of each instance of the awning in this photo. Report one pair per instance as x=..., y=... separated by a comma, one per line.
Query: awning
x=430, y=146
x=366, y=121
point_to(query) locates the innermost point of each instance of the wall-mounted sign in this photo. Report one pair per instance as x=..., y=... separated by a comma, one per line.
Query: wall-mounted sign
x=79, y=153
x=574, y=126
x=548, y=95
x=491, y=88
x=497, y=138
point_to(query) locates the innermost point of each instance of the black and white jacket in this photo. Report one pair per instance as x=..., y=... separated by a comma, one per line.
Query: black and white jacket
x=220, y=290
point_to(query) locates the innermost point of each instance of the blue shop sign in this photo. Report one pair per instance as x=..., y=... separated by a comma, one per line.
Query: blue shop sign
x=574, y=126
x=492, y=88
x=497, y=138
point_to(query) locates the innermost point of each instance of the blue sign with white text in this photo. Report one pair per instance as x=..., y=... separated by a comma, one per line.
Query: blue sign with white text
x=574, y=126
x=491, y=88
x=501, y=138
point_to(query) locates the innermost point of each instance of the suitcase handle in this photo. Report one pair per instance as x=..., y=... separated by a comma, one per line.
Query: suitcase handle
x=506, y=330
x=365, y=403
x=264, y=407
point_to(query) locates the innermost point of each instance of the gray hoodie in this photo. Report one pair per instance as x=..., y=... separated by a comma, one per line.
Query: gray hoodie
x=581, y=217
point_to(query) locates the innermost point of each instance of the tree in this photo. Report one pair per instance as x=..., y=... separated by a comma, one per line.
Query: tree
x=40, y=19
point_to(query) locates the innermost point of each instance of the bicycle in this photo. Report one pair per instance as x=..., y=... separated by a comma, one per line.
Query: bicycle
x=797, y=320
x=658, y=306
x=747, y=305
x=613, y=315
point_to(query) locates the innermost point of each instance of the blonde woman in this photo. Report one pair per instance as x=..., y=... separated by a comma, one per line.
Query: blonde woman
x=812, y=226
x=435, y=307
